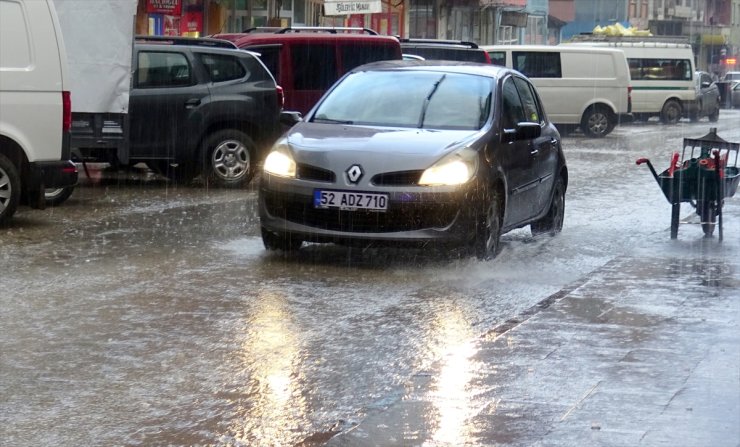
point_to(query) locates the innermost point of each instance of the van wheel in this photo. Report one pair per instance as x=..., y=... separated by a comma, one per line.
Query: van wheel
x=230, y=159
x=671, y=112
x=598, y=121
x=10, y=189
x=57, y=196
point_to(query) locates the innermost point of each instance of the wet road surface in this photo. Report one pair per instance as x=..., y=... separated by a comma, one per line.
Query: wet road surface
x=142, y=313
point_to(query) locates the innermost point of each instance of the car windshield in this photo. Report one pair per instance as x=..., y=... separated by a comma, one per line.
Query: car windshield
x=421, y=99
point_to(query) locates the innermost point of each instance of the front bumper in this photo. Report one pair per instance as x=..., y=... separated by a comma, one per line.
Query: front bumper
x=415, y=214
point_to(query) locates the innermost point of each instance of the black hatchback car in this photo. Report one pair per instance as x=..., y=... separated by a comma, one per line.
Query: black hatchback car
x=417, y=151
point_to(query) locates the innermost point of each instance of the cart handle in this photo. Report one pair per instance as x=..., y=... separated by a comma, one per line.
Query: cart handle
x=641, y=161
x=650, y=165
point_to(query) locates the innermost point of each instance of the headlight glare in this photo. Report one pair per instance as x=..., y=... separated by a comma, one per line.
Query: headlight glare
x=279, y=163
x=455, y=169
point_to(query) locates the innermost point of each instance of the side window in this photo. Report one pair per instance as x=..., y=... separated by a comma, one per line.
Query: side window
x=512, y=111
x=314, y=66
x=354, y=55
x=529, y=101
x=498, y=57
x=222, y=68
x=537, y=64
x=660, y=69
x=16, y=51
x=160, y=69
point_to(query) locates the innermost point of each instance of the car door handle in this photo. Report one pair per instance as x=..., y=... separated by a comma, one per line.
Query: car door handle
x=190, y=103
x=535, y=152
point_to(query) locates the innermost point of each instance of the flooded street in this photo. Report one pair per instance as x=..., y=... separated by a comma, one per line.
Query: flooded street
x=142, y=313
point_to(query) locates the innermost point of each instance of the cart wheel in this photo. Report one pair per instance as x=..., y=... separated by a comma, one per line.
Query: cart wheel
x=707, y=210
x=675, y=212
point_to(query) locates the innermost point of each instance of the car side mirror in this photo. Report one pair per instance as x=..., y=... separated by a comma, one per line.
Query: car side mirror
x=290, y=118
x=528, y=131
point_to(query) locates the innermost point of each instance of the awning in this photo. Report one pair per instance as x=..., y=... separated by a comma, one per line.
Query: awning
x=713, y=39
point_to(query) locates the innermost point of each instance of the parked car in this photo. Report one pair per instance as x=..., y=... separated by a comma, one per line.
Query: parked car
x=707, y=102
x=200, y=106
x=735, y=92
x=733, y=76
x=416, y=152
x=450, y=50
x=306, y=61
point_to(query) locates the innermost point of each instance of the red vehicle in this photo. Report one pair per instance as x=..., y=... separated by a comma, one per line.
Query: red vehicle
x=306, y=61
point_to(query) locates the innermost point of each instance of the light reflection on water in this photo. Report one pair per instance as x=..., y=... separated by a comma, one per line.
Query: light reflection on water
x=271, y=354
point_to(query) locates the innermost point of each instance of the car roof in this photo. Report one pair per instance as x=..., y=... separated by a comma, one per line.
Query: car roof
x=256, y=38
x=473, y=68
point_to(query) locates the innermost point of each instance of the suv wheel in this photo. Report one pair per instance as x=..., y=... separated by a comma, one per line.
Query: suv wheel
x=597, y=122
x=10, y=189
x=230, y=158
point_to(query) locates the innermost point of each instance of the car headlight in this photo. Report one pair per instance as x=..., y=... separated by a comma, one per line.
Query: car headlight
x=279, y=162
x=454, y=169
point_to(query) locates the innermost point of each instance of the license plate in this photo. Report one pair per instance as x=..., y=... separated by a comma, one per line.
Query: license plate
x=350, y=200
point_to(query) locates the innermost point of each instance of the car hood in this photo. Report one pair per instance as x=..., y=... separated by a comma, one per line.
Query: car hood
x=377, y=150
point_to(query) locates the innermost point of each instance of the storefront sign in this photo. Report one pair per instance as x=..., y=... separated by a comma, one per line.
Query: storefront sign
x=345, y=8
x=191, y=24
x=170, y=7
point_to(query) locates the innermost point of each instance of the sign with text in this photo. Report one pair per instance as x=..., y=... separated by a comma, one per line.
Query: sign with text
x=345, y=8
x=170, y=7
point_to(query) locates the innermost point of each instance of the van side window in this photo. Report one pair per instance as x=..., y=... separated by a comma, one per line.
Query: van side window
x=498, y=57
x=222, y=68
x=314, y=66
x=537, y=64
x=512, y=112
x=270, y=56
x=659, y=69
x=529, y=101
x=356, y=55
x=156, y=69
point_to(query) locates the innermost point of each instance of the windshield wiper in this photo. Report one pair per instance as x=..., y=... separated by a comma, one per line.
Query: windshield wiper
x=428, y=99
x=325, y=119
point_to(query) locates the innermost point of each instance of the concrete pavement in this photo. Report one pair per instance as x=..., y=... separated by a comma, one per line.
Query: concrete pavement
x=643, y=352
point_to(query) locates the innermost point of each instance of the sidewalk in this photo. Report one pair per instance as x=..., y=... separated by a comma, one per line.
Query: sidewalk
x=644, y=352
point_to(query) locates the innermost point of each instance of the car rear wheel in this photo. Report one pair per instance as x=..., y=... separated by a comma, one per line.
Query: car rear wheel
x=57, y=196
x=552, y=223
x=597, y=122
x=10, y=189
x=671, y=112
x=488, y=230
x=280, y=241
x=230, y=158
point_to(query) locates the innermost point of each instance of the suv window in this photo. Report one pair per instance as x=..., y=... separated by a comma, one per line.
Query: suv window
x=537, y=64
x=314, y=66
x=222, y=67
x=162, y=69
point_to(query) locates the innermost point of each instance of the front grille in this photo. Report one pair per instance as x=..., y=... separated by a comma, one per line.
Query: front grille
x=407, y=216
x=400, y=178
x=308, y=172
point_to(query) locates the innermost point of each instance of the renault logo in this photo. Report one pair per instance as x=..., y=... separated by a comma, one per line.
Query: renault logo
x=354, y=173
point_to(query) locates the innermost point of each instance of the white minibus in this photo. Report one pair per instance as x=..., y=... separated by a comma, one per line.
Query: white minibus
x=662, y=75
x=580, y=87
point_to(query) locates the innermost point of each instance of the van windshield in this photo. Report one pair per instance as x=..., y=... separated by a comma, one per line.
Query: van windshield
x=422, y=99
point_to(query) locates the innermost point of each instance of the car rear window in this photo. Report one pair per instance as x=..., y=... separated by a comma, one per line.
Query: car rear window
x=222, y=67
x=536, y=64
x=420, y=99
x=162, y=69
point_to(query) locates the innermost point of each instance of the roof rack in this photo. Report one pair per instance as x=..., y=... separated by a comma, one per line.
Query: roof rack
x=590, y=37
x=298, y=29
x=192, y=41
x=439, y=42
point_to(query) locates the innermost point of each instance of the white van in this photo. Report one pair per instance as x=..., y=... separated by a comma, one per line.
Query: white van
x=585, y=87
x=662, y=74
x=35, y=106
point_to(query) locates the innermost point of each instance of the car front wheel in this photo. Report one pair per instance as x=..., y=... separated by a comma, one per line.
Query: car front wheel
x=671, y=112
x=552, y=223
x=230, y=158
x=488, y=230
x=597, y=122
x=279, y=241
